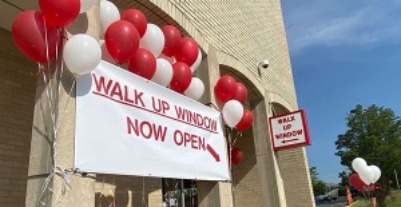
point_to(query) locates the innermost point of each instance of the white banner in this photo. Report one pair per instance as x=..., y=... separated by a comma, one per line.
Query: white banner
x=127, y=125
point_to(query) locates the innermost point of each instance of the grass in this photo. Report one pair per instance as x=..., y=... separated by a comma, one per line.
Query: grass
x=391, y=202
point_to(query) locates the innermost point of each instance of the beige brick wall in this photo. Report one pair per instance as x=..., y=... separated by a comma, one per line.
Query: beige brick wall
x=17, y=94
x=249, y=31
x=128, y=191
x=243, y=32
x=295, y=173
x=248, y=189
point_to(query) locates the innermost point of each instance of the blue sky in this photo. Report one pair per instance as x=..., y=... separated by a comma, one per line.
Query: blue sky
x=343, y=53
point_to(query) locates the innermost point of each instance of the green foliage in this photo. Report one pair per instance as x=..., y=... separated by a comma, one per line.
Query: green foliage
x=344, y=178
x=319, y=187
x=393, y=200
x=374, y=134
x=342, y=191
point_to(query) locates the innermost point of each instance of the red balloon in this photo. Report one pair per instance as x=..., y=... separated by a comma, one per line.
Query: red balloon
x=122, y=40
x=246, y=120
x=136, y=18
x=188, y=51
x=241, y=93
x=356, y=182
x=143, y=63
x=225, y=88
x=236, y=155
x=172, y=40
x=182, y=77
x=29, y=32
x=60, y=12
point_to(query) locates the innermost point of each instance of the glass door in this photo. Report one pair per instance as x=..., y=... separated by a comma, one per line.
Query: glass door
x=179, y=193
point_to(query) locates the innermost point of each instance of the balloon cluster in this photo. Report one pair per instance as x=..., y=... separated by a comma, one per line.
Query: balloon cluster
x=233, y=95
x=161, y=55
x=365, y=174
x=37, y=34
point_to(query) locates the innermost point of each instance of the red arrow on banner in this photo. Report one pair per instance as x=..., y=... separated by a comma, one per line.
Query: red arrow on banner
x=213, y=153
x=289, y=140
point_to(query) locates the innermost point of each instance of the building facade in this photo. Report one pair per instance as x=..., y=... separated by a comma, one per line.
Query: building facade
x=234, y=36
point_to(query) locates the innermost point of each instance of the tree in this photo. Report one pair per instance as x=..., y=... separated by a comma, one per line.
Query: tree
x=344, y=178
x=319, y=187
x=374, y=134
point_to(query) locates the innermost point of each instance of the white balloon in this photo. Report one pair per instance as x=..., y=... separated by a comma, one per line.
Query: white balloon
x=105, y=53
x=232, y=112
x=195, y=89
x=358, y=163
x=197, y=61
x=366, y=175
x=376, y=172
x=86, y=5
x=169, y=59
x=153, y=40
x=109, y=13
x=82, y=54
x=164, y=72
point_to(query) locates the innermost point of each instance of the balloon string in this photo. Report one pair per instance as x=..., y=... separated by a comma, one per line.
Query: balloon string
x=231, y=145
x=52, y=93
x=68, y=100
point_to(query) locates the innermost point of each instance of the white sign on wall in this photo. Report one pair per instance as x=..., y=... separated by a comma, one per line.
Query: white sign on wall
x=289, y=130
x=127, y=125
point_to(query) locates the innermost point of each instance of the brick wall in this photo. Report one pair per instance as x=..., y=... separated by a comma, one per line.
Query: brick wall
x=295, y=173
x=243, y=32
x=248, y=190
x=17, y=94
x=128, y=191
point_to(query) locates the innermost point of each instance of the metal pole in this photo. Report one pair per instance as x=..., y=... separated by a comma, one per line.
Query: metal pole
x=396, y=178
x=182, y=193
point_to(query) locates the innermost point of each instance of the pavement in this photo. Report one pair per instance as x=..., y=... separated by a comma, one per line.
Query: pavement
x=340, y=202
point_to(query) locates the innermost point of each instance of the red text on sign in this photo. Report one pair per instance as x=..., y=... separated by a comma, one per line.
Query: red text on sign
x=186, y=139
x=286, y=120
x=146, y=129
x=196, y=119
x=160, y=106
x=114, y=90
x=286, y=135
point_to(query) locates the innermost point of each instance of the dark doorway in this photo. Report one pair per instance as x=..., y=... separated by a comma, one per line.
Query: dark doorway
x=179, y=193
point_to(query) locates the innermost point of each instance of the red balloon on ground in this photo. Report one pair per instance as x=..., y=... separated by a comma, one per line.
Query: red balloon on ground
x=136, y=18
x=60, y=12
x=188, y=51
x=29, y=32
x=182, y=77
x=225, y=88
x=172, y=40
x=143, y=63
x=240, y=93
x=246, y=120
x=236, y=155
x=356, y=182
x=122, y=40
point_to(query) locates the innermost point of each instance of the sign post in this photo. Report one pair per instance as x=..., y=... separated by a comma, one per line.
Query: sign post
x=289, y=130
